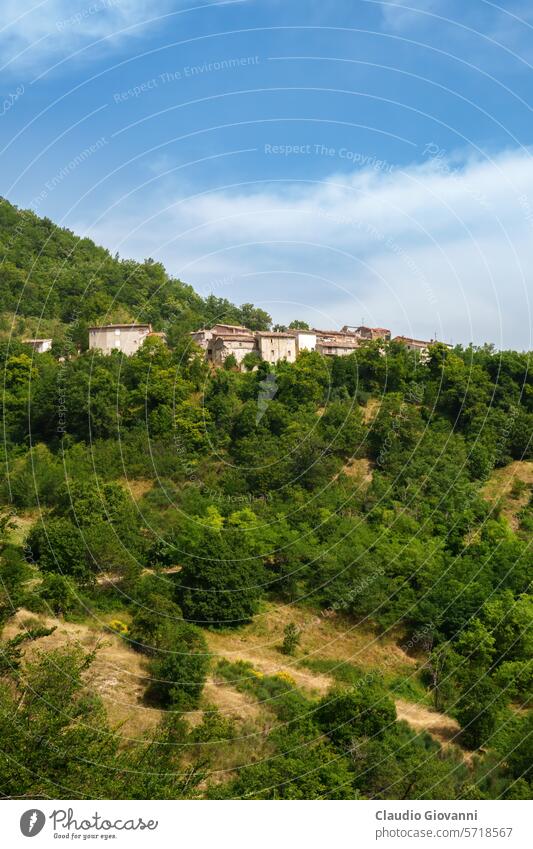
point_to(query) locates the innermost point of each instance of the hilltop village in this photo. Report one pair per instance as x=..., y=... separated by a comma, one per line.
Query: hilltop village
x=232, y=340
x=224, y=340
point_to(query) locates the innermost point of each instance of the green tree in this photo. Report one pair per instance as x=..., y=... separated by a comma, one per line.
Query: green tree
x=364, y=711
x=291, y=639
x=58, y=546
x=221, y=581
x=179, y=669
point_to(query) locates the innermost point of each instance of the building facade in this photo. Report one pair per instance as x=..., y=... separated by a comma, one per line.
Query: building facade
x=274, y=347
x=127, y=338
x=205, y=335
x=227, y=344
x=368, y=333
x=222, y=340
x=40, y=346
x=305, y=340
x=336, y=347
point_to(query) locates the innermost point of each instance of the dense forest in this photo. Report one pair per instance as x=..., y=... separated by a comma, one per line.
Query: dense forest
x=345, y=490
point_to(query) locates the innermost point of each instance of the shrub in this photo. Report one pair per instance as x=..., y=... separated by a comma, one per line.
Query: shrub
x=59, y=593
x=154, y=624
x=179, y=673
x=364, y=711
x=291, y=639
x=221, y=587
x=59, y=547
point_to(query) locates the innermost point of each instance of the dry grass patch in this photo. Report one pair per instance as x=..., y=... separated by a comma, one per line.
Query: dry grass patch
x=371, y=409
x=232, y=704
x=361, y=469
x=23, y=522
x=137, y=487
x=321, y=637
x=498, y=489
x=118, y=674
x=442, y=728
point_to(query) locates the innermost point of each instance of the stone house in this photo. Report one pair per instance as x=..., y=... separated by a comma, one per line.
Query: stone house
x=413, y=344
x=336, y=343
x=369, y=333
x=205, y=335
x=337, y=346
x=127, y=338
x=274, y=347
x=40, y=346
x=305, y=340
x=225, y=344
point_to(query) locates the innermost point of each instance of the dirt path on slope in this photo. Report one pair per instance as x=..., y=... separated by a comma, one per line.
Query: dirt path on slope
x=443, y=728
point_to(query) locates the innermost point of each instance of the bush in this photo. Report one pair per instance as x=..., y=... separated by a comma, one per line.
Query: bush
x=59, y=547
x=291, y=639
x=221, y=587
x=364, y=711
x=59, y=593
x=179, y=672
x=154, y=624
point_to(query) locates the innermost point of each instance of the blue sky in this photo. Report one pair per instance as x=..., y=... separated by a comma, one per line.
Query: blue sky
x=331, y=161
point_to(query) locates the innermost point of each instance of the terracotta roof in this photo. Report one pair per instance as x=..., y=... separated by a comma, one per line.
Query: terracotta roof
x=288, y=334
x=412, y=341
x=235, y=326
x=235, y=337
x=34, y=341
x=344, y=343
x=122, y=327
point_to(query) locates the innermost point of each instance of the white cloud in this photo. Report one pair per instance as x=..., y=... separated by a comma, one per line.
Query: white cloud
x=427, y=248
x=404, y=15
x=35, y=34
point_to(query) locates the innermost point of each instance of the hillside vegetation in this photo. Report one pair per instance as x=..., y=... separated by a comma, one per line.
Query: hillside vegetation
x=321, y=596
x=51, y=279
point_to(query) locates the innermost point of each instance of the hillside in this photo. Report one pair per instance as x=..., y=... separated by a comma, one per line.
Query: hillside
x=50, y=278
x=329, y=599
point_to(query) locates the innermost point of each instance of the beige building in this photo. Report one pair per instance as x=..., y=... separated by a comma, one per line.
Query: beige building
x=418, y=344
x=225, y=344
x=274, y=347
x=337, y=347
x=369, y=333
x=221, y=340
x=205, y=335
x=336, y=343
x=40, y=346
x=412, y=344
x=127, y=338
x=305, y=340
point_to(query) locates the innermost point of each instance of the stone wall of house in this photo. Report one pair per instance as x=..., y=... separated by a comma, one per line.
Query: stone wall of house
x=223, y=347
x=274, y=347
x=125, y=338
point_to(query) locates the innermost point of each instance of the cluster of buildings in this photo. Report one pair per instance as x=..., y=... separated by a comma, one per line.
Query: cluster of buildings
x=224, y=340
